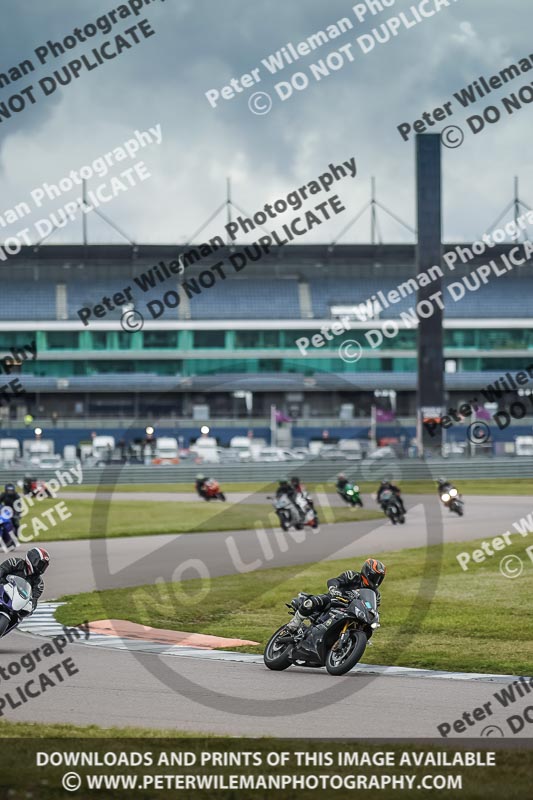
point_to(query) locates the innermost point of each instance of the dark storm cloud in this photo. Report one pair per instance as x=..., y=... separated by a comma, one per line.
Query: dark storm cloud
x=202, y=44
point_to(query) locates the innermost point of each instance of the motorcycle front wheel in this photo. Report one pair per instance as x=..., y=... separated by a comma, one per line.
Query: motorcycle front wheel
x=276, y=655
x=4, y=624
x=284, y=522
x=222, y=497
x=342, y=658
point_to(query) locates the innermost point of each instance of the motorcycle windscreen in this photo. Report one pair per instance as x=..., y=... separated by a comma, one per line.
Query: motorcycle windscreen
x=369, y=598
x=23, y=587
x=386, y=496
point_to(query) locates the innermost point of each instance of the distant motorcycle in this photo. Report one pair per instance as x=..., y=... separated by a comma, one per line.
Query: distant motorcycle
x=15, y=602
x=335, y=639
x=288, y=514
x=211, y=491
x=350, y=494
x=452, y=500
x=8, y=534
x=304, y=502
x=391, y=507
x=34, y=486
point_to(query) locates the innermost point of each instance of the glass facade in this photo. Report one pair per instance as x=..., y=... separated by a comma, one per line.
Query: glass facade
x=501, y=339
x=206, y=352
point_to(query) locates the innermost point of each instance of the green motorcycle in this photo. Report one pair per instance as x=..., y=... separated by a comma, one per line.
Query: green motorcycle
x=350, y=494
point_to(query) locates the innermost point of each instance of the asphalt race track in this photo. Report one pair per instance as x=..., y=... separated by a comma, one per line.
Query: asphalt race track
x=116, y=688
x=84, y=565
x=210, y=695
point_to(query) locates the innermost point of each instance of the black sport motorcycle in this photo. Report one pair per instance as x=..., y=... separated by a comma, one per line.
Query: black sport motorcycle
x=452, y=500
x=335, y=639
x=391, y=507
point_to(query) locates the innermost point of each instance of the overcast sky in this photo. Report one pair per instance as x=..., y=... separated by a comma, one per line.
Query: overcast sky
x=200, y=45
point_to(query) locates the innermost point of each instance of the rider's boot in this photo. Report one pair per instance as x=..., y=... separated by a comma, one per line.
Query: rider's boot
x=296, y=622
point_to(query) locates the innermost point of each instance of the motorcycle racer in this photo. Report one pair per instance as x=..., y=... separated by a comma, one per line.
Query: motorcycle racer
x=342, y=481
x=387, y=486
x=201, y=480
x=288, y=488
x=371, y=576
x=301, y=493
x=444, y=486
x=8, y=498
x=450, y=497
x=30, y=568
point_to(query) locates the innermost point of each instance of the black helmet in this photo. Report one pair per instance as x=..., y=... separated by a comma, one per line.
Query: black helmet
x=385, y=483
x=295, y=481
x=37, y=560
x=373, y=573
x=441, y=481
x=9, y=488
x=284, y=482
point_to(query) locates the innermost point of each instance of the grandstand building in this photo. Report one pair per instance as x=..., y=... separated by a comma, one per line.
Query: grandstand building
x=239, y=333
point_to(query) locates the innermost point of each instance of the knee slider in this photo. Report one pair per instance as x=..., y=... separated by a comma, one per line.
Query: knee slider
x=307, y=607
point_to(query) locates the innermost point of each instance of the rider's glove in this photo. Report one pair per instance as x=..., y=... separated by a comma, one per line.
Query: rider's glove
x=334, y=591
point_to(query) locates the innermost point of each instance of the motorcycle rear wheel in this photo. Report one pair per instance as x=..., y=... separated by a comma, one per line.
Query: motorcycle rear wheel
x=277, y=658
x=343, y=663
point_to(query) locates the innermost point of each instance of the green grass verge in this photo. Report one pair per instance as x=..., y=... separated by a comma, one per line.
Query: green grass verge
x=503, y=486
x=35, y=730
x=434, y=615
x=96, y=519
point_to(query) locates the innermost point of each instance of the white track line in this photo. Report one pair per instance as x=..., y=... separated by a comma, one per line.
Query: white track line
x=44, y=623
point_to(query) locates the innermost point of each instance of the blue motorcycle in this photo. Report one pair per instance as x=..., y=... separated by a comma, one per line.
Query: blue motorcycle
x=15, y=602
x=8, y=532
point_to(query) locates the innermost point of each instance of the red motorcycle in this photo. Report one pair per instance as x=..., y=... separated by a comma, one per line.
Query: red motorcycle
x=35, y=486
x=211, y=490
